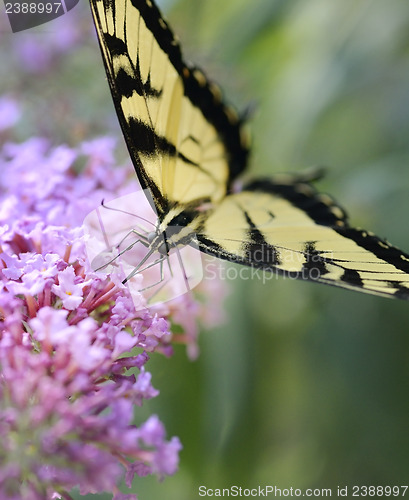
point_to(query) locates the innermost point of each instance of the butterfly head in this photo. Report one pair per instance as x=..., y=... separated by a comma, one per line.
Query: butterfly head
x=178, y=228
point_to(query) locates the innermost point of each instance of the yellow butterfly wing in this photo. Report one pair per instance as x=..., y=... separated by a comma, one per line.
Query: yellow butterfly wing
x=287, y=227
x=186, y=145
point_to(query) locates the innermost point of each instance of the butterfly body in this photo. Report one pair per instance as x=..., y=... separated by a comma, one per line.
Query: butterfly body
x=188, y=148
x=177, y=229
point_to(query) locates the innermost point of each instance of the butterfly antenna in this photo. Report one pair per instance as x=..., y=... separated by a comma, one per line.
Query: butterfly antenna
x=128, y=213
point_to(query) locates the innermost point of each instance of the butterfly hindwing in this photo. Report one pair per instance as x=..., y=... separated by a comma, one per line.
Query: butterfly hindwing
x=287, y=227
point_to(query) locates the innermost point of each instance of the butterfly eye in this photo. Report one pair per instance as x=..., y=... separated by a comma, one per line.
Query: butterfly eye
x=183, y=219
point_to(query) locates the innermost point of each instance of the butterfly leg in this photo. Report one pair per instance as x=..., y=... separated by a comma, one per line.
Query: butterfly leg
x=141, y=239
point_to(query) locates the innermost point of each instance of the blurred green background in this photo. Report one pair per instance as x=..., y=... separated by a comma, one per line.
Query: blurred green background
x=304, y=386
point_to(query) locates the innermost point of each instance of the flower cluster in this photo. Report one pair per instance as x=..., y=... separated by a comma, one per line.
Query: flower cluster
x=73, y=349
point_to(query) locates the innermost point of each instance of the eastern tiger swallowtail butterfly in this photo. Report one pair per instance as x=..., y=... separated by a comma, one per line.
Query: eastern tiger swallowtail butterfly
x=188, y=147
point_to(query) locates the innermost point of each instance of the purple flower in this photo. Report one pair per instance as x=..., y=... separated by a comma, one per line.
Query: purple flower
x=55, y=398
x=69, y=289
x=165, y=456
x=69, y=334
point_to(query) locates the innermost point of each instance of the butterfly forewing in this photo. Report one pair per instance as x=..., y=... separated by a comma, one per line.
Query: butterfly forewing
x=179, y=152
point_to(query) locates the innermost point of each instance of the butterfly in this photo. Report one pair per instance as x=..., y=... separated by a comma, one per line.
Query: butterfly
x=189, y=149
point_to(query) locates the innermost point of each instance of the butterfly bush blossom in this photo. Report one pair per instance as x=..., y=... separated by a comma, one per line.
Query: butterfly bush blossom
x=73, y=349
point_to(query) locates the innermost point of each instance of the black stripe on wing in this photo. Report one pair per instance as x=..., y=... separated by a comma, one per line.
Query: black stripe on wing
x=319, y=207
x=379, y=247
x=147, y=142
x=257, y=249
